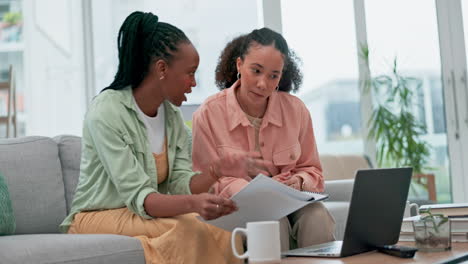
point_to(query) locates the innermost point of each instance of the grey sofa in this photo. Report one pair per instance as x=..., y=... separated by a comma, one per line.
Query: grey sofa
x=339, y=172
x=42, y=174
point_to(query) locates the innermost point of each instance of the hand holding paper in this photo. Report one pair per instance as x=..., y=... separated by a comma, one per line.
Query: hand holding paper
x=265, y=199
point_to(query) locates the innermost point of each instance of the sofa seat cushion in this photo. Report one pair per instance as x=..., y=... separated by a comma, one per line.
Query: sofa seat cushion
x=339, y=190
x=70, y=249
x=339, y=211
x=32, y=169
x=70, y=156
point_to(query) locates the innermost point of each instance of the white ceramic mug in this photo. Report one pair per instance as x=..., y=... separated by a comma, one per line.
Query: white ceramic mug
x=408, y=208
x=263, y=242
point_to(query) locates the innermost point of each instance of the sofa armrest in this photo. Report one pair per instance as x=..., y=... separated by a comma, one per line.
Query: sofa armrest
x=339, y=190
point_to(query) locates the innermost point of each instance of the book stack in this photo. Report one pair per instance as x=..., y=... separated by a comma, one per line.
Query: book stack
x=458, y=214
x=453, y=210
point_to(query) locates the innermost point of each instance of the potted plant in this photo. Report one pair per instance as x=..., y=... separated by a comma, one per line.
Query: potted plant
x=432, y=232
x=10, y=27
x=393, y=125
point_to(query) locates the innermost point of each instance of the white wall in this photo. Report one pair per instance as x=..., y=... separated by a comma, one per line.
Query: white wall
x=209, y=24
x=54, y=67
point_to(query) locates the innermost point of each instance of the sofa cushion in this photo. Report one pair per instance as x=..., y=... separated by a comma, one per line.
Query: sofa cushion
x=70, y=156
x=339, y=190
x=339, y=167
x=32, y=170
x=339, y=211
x=65, y=248
x=7, y=219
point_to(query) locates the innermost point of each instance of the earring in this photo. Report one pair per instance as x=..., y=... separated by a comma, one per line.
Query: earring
x=238, y=75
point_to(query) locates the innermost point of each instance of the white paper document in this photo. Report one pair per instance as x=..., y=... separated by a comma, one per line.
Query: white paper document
x=265, y=199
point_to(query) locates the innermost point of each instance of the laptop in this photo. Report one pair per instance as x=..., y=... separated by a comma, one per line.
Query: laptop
x=375, y=214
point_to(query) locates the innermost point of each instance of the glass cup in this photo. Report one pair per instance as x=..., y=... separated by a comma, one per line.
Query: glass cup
x=432, y=233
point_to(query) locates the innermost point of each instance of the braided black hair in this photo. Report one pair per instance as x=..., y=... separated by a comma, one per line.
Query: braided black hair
x=143, y=39
x=226, y=70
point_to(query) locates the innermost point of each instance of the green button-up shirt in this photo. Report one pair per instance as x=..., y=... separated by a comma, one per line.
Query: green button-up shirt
x=117, y=167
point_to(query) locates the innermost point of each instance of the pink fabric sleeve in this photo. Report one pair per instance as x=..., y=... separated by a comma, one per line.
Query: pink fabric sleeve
x=203, y=146
x=308, y=165
x=204, y=153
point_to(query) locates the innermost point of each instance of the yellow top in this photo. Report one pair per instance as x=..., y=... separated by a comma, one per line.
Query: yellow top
x=162, y=165
x=256, y=122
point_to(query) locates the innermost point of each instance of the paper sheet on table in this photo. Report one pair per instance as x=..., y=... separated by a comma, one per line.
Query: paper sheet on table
x=265, y=199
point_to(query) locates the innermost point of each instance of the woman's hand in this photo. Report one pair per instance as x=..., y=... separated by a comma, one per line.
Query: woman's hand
x=230, y=165
x=280, y=178
x=240, y=165
x=210, y=206
x=257, y=165
x=291, y=181
x=294, y=182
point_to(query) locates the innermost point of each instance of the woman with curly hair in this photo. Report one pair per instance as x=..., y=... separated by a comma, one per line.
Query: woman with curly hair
x=254, y=113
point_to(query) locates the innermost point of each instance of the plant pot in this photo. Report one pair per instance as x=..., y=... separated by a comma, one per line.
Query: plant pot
x=10, y=32
x=433, y=233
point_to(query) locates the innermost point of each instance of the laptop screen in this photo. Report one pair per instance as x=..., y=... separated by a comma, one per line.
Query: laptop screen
x=376, y=209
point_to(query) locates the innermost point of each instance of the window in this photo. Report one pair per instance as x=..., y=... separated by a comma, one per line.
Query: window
x=11, y=53
x=324, y=37
x=413, y=40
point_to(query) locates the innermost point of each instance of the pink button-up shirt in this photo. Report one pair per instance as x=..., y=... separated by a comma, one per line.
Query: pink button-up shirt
x=286, y=138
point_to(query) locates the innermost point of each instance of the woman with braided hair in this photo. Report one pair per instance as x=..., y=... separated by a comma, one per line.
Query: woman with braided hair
x=136, y=175
x=254, y=113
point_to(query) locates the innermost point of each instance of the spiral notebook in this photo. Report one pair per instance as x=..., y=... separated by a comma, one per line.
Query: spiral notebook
x=265, y=199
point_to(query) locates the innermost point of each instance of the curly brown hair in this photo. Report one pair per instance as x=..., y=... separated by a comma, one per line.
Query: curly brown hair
x=226, y=70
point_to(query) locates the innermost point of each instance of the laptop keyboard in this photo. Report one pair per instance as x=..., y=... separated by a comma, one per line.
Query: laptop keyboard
x=324, y=250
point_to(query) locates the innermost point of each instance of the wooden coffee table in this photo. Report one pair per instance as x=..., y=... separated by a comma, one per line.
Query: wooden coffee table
x=373, y=257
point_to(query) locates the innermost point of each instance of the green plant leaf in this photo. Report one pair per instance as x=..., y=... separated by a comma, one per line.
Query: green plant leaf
x=393, y=124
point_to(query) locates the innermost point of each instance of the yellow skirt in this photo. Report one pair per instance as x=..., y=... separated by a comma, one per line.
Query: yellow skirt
x=179, y=239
